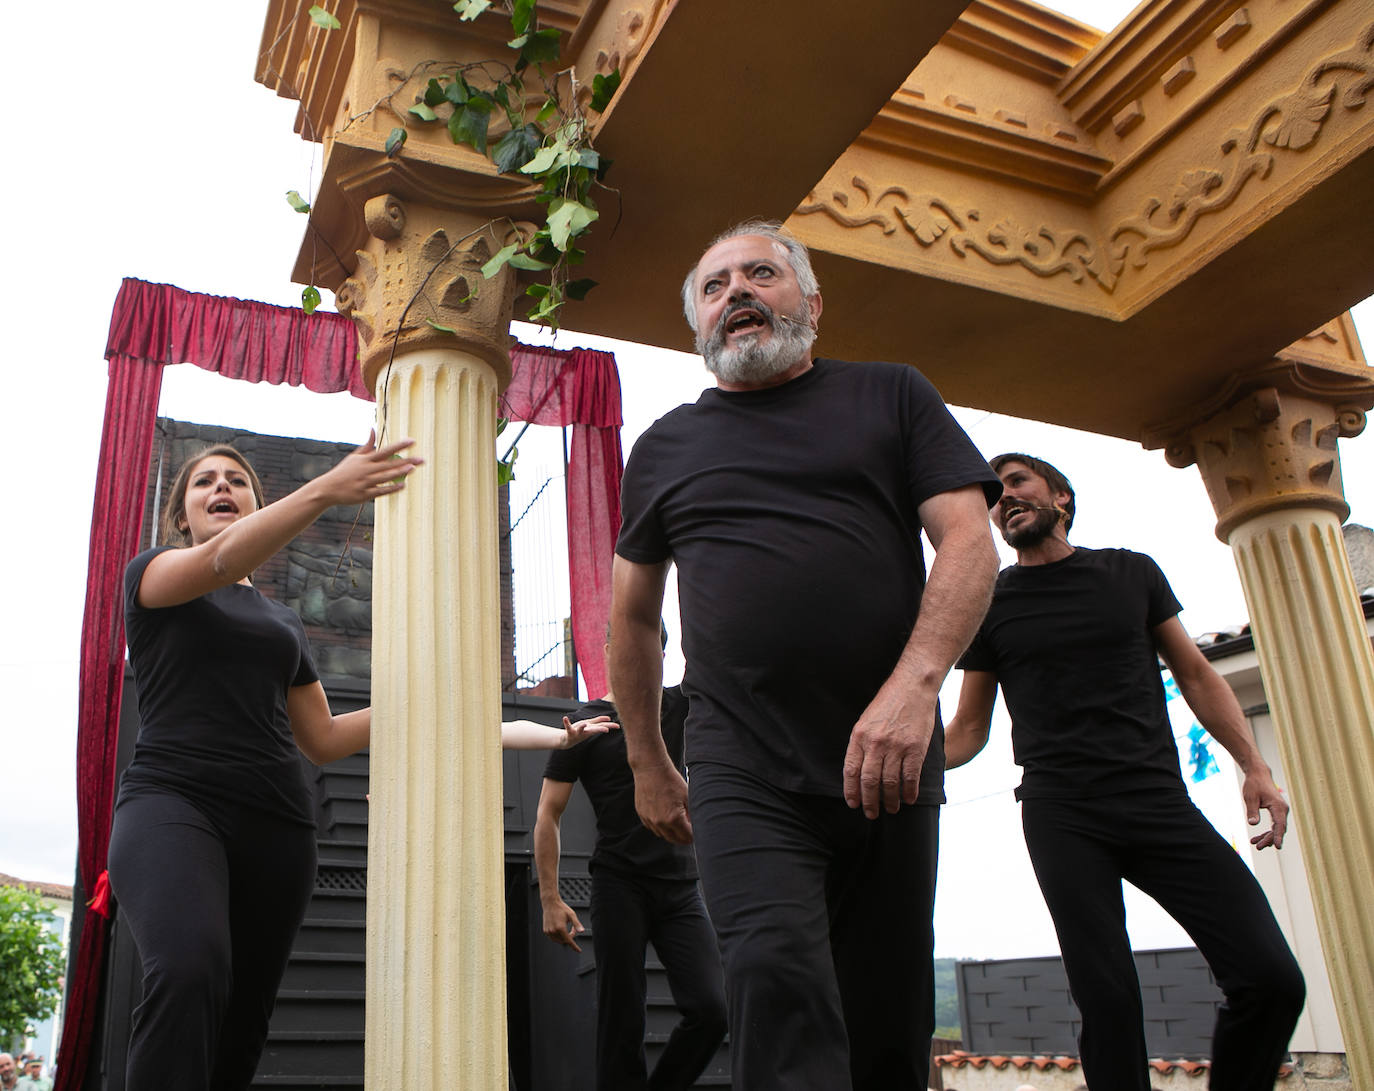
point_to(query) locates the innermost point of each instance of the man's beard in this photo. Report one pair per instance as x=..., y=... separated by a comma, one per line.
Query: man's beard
x=1036, y=531
x=756, y=359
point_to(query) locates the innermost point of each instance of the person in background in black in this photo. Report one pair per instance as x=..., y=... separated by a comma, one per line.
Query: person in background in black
x=1073, y=637
x=644, y=890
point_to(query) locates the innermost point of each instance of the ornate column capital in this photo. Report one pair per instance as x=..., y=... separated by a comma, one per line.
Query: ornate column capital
x=1267, y=440
x=419, y=284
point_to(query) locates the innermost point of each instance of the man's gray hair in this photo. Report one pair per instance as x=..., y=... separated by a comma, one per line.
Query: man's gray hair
x=797, y=256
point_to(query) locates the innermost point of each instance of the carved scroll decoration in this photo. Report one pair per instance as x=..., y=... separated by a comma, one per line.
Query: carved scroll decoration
x=1293, y=122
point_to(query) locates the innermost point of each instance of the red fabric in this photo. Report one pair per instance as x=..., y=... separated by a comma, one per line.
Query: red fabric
x=237, y=338
x=125, y=447
x=157, y=324
x=580, y=387
x=100, y=903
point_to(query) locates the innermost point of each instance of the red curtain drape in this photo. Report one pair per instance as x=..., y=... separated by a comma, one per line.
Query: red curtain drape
x=580, y=387
x=157, y=324
x=125, y=445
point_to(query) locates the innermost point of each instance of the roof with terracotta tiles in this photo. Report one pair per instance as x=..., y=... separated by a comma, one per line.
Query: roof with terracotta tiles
x=959, y=1058
x=47, y=890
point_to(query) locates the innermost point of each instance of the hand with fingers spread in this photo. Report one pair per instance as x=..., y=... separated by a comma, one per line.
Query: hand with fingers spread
x=574, y=733
x=369, y=472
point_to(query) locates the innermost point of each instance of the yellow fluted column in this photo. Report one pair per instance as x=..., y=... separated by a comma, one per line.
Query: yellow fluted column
x=1272, y=470
x=435, y=353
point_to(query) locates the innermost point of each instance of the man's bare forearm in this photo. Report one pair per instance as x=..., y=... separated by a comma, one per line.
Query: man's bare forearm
x=547, y=849
x=636, y=659
x=955, y=600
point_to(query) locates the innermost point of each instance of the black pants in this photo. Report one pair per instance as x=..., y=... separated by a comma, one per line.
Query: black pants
x=824, y=921
x=214, y=908
x=629, y=912
x=1159, y=842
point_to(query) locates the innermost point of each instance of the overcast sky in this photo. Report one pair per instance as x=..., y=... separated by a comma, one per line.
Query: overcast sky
x=142, y=147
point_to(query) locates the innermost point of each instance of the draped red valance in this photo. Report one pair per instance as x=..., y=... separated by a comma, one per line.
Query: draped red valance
x=157, y=324
x=238, y=338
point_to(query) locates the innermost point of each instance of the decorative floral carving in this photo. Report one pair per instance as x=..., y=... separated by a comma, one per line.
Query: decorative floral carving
x=928, y=219
x=1291, y=122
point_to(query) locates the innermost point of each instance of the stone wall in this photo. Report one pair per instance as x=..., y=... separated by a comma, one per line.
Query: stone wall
x=325, y=575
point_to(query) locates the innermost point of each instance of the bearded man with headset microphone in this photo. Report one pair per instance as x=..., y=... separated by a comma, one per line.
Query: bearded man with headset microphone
x=1072, y=637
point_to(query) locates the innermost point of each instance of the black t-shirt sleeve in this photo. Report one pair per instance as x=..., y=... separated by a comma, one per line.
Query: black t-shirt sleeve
x=978, y=656
x=1162, y=603
x=133, y=576
x=940, y=456
x=564, y=765
x=642, y=538
x=306, y=672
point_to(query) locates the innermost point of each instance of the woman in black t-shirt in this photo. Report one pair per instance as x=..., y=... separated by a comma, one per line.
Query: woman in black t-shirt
x=212, y=854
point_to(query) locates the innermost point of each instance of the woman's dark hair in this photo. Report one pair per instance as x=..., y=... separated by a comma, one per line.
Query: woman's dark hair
x=174, y=531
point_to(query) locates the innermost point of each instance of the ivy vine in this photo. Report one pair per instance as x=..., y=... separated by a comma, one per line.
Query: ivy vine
x=553, y=149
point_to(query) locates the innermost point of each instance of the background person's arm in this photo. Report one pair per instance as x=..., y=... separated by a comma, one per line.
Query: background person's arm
x=560, y=921
x=1217, y=709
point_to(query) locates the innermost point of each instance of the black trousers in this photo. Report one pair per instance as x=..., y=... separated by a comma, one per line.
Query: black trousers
x=628, y=912
x=1158, y=841
x=214, y=907
x=824, y=921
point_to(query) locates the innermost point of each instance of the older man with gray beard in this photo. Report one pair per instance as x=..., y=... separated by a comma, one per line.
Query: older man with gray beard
x=792, y=498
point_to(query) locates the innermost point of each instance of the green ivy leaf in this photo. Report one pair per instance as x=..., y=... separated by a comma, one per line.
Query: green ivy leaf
x=322, y=18
x=516, y=148
x=395, y=140
x=538, y=291
x=505, y=468
x=296, y=201
x=469, y=125
x=542, y=45
x=522, y=16
x=310, y=299
x=434, y=93
x=457, y=91
x=547, y=111
x=588, y=159
x=424, y=111
x=543, y=160
x=501, y=423
x=498, y=260
x=578, y=289
x=441, y=327
x=568, y=218
x=468, y=10
x=533, y=265
x=603, y=87
x=548, y=306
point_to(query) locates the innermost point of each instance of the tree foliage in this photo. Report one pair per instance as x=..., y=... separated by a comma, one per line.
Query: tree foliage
x=30, y=963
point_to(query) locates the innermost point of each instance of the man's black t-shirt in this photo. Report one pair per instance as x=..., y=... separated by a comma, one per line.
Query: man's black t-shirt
x=212, y=676
x=791, y=513
x=1072, y=647
x=623, y=844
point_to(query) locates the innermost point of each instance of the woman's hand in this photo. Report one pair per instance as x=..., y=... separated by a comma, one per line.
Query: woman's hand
x=368, y=472
x=574, y=733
